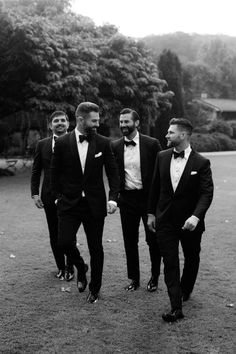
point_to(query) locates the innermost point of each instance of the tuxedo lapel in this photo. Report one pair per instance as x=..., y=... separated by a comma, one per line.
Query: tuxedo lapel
x=90, y=157
x=74, y=150
x=185, y=174
x=143, y=159
x=166, y=168
x=48, y=148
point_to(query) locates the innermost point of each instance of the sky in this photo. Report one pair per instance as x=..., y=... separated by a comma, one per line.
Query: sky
x=146, y=17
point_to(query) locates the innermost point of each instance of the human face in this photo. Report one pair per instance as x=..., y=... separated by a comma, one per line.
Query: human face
x=127, y=125
x=90, y=123
x=175, y=136
x=59, y=125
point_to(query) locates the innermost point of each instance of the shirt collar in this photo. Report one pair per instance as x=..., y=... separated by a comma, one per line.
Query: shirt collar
x=187, y=152
x=135, y=139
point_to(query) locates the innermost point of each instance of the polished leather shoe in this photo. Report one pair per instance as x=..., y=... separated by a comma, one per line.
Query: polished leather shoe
x=61, y=274
x=134, y=285
x=69, y=274
x=173, y=315
x=185, y=296
x=152, y=284
x=82, y=283
x=92, y=298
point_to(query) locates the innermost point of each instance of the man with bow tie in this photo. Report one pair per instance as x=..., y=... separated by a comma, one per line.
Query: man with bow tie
x=58, y=124
x=180, y=195
x=77, y=182
x=135, y=155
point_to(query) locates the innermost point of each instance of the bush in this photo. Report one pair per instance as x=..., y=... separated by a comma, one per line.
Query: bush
x=212, y=142
x=233, y=126
x=224, y=141
x=220, y=126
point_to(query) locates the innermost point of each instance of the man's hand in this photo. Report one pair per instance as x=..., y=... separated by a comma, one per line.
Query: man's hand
x=191, y=223
x=38, y=202
x=151, y=222
x=111, y=207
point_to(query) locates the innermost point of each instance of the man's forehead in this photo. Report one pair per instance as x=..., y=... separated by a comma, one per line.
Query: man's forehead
x=127, y=116
x=173, y=128
x=59, y=118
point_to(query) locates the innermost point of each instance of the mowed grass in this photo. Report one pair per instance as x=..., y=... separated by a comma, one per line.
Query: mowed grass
x=37, y=317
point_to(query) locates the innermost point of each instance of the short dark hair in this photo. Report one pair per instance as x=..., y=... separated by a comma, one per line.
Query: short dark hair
x=134, y=114
x=57, y=114
x=183, y=124
x=85, y=108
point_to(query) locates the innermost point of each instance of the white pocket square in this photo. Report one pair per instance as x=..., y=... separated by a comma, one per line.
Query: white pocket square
x=98, y=154
x=193, y=173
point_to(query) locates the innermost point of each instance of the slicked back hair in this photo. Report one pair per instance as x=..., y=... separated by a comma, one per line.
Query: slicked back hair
x=183, y=124
x=85, y=108
x=134, y=114
x=57, y=114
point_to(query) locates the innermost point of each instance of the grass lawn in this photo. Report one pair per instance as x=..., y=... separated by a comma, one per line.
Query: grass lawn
x=38, y=317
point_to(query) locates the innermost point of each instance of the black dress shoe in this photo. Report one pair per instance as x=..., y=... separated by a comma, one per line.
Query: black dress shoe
x=132, y=286
x=173, y=315
x=185, y=296
x=82, y=283
x=61, y=274
x=69, y=274
x=92, y=298
x=152, y=284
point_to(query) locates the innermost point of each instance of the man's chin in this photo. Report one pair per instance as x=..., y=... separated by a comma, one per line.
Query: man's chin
x=125, y=132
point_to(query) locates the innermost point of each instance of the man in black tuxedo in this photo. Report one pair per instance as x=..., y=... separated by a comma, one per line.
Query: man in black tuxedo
x=77, y=181
x=135, y=155
x=58, y=123
x=180, y=195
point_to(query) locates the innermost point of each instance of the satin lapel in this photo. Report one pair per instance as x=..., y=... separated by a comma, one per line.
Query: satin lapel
x=48, y=148
x=186, y=173
x=74, y=150
x=90, y=157
x=143, y=160
x=166, y=168
x=120, y=155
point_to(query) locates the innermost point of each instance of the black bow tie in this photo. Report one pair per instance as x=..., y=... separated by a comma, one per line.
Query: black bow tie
x=130, y=142
x=55, y=137
x=178, y=154
x=83, y=138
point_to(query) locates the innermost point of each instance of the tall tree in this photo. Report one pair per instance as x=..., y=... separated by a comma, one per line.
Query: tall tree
x=171, y=71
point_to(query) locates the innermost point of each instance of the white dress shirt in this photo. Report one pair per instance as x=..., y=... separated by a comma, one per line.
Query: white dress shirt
x=133, y=178
x=177, y=167
x=54, y=137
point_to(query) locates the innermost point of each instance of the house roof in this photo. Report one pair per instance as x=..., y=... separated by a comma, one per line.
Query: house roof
x=219, y=104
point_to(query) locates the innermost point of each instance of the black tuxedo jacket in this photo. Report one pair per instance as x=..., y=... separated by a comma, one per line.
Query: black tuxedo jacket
x=149, y=148
x=68, y=180
x=42, y=160
x=193, y=194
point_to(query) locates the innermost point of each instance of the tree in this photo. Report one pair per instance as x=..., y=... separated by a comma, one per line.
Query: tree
x=171, y=71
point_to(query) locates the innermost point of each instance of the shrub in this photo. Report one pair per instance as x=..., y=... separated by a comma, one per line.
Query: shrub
x=212, y=142
x=220, y=126
x=233, y=126
x=204, y=142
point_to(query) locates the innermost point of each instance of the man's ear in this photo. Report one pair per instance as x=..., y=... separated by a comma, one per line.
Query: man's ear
x=50, y=126
x=137, y=123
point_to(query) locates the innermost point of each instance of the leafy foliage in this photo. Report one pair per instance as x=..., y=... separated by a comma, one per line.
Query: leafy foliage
x=51, y=58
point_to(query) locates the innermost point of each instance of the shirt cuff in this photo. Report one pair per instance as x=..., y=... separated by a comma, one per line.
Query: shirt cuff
x=112, y=202
x=196, y=218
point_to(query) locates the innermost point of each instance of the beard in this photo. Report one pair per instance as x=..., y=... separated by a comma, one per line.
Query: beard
x=127, y=130
x=90, y=131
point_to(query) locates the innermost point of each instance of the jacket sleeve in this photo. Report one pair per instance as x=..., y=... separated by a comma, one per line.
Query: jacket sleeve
x=205, y=192
x=36, y=171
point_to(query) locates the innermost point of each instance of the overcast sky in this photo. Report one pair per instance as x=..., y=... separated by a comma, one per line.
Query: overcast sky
x=137, y=18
